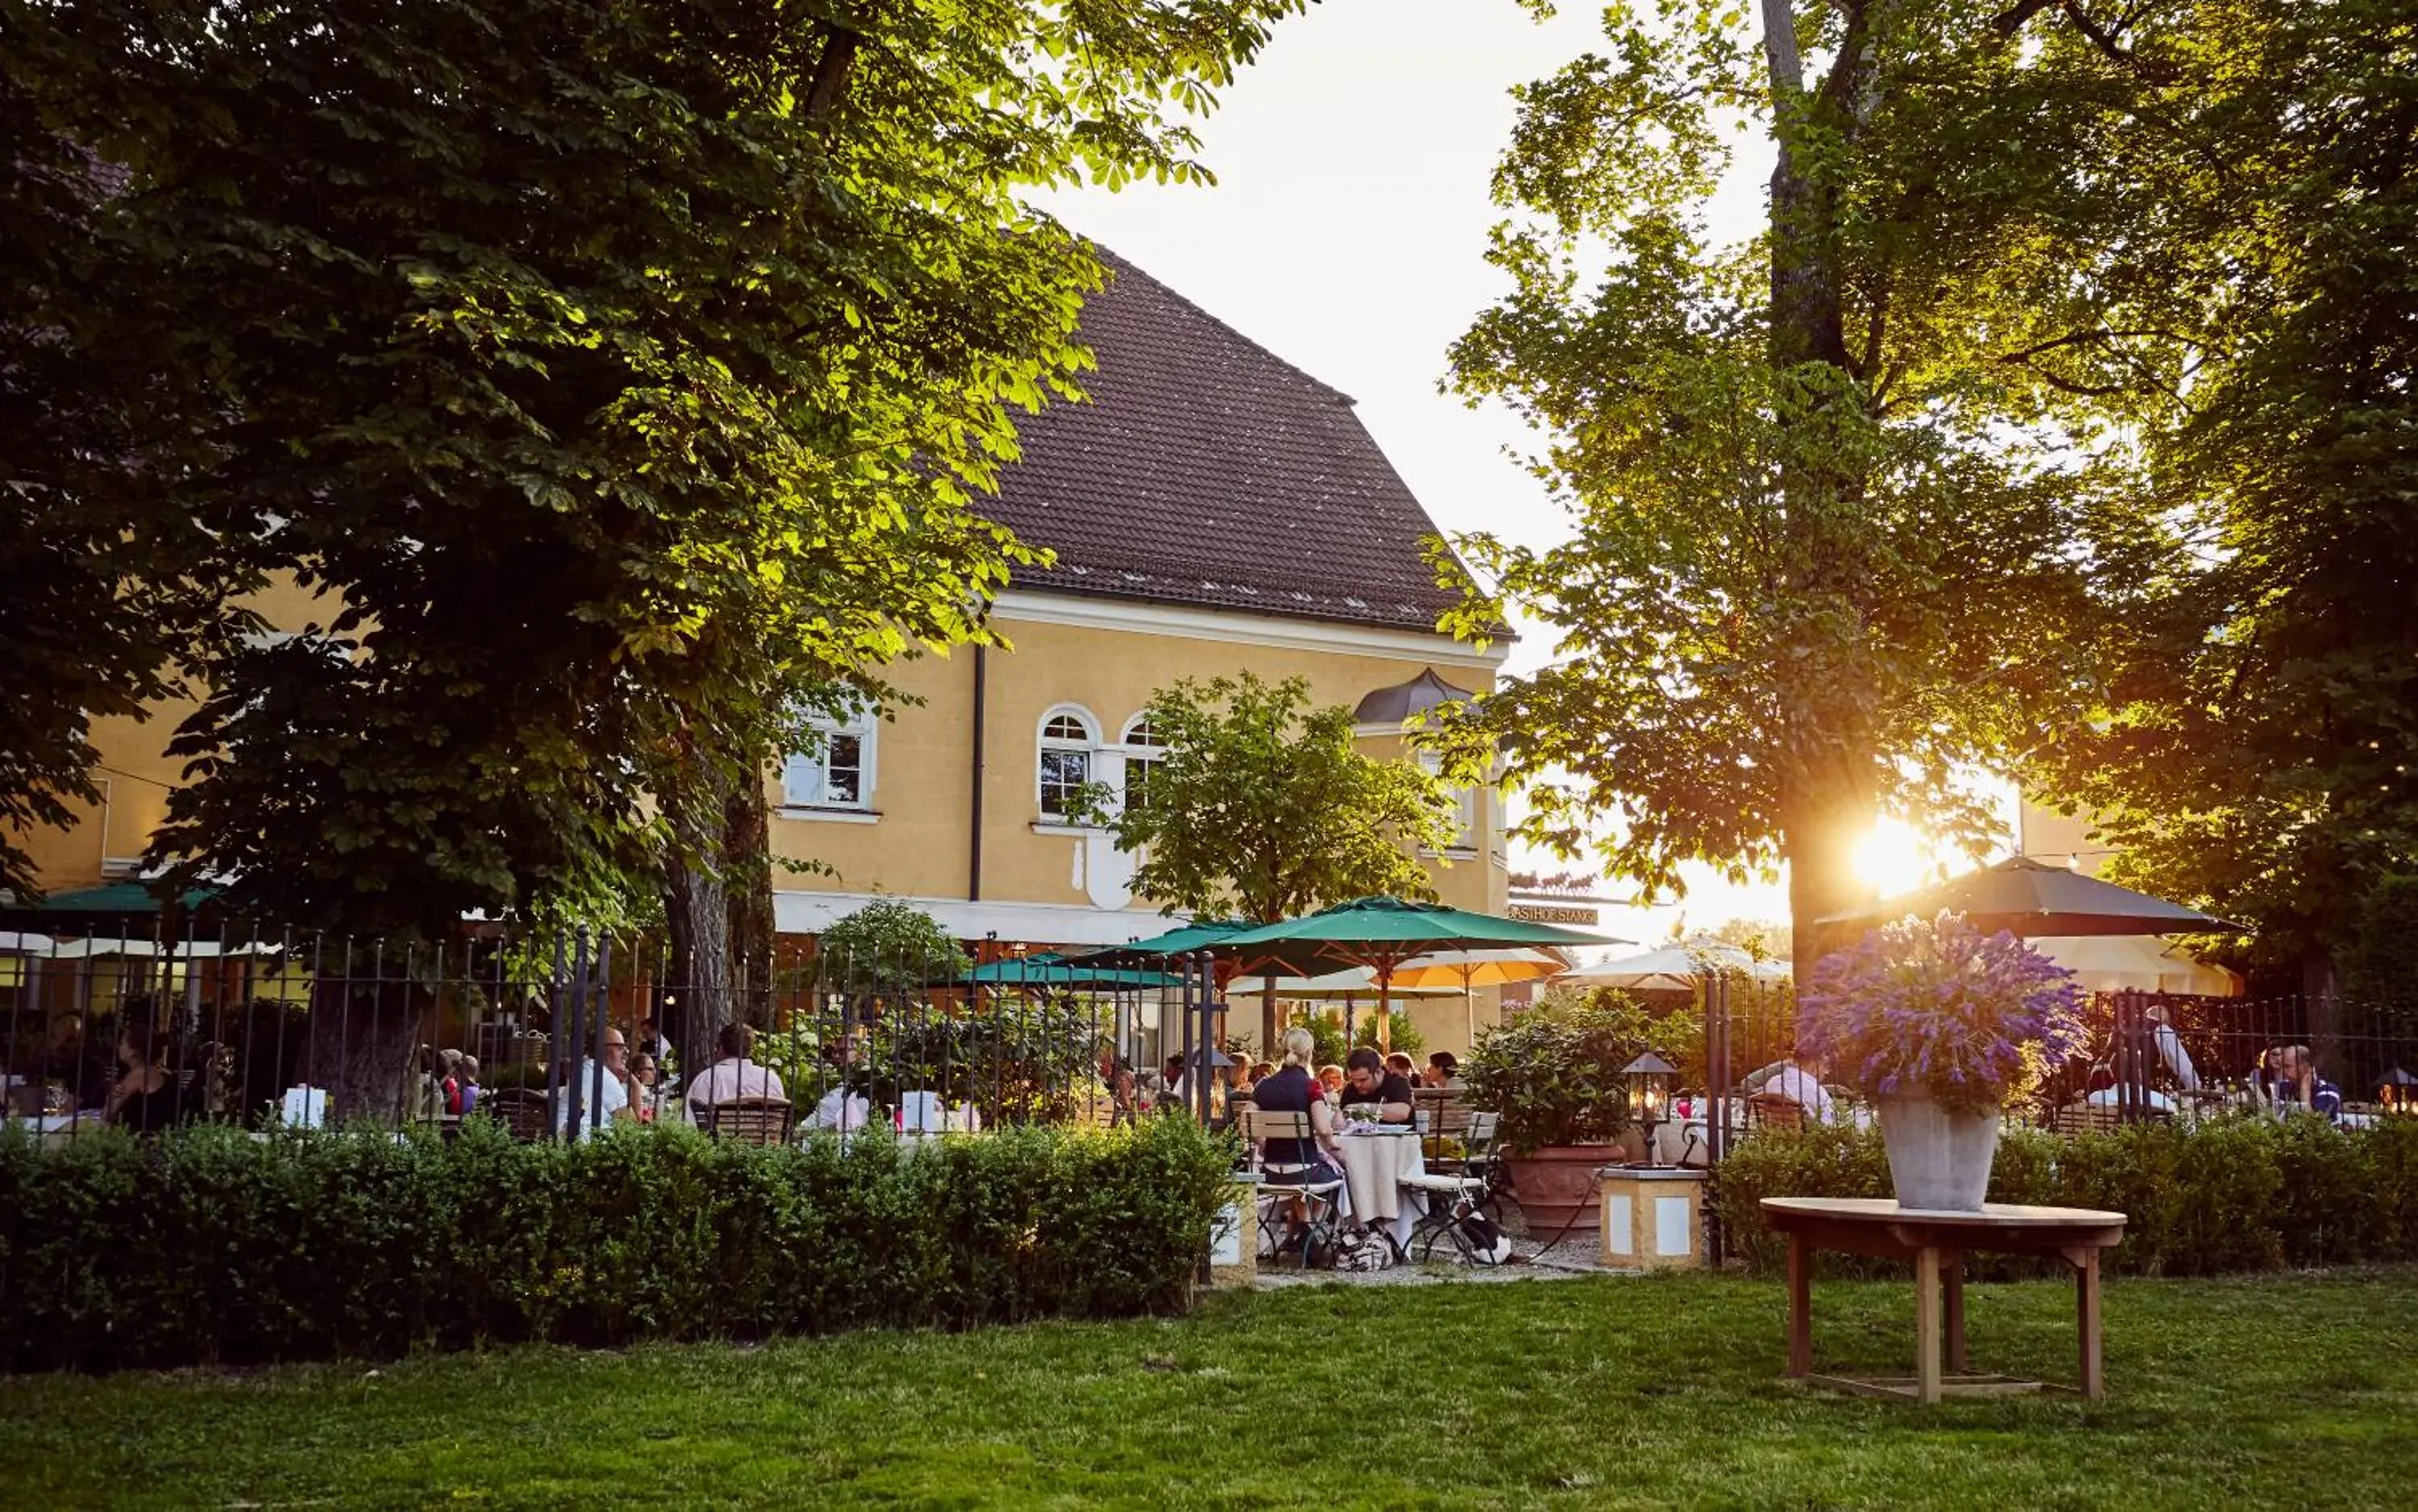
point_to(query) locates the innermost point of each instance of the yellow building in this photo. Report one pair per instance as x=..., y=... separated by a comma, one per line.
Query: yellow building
x=1213, y=511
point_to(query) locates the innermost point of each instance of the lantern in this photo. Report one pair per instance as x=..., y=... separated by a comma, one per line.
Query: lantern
x=1650, y=1077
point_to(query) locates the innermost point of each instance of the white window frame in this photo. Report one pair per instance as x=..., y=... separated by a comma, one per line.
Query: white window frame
x=1132, y=752
x=1088, y=747
x=866, y=728
x=1466, y=812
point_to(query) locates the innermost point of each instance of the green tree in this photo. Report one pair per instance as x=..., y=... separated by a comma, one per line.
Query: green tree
x=1265, y=808
x=625, y=378
x=112, y=593
x=1848, y=498
x=2258, y=755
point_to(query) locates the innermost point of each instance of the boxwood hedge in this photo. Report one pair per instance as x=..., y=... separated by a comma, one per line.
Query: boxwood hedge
x=213, y=1246
x=2243, y=1193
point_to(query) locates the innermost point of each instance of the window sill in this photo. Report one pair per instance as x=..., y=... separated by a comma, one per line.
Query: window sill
x=1063, y=827
x=828, y=815
x=1449, y=853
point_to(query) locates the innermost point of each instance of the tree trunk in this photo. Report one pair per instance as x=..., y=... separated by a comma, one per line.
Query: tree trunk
x=361, y=1045
x=697, y=915
x=1829, y=767
x=747, y=879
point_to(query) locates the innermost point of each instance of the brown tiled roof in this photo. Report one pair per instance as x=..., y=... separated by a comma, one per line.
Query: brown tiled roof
x=1206, y=470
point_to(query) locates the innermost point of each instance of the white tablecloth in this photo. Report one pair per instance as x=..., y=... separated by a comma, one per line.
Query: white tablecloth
x=1374, y=1167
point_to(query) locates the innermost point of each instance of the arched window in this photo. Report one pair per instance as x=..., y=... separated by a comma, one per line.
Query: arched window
x=1143, y=751
x=1069, y=744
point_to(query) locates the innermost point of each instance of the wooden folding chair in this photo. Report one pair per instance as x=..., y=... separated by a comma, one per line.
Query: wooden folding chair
x=524, y=1112
x=1777, y=1111
x=2086, y=1118
x=1297, y=1190
x=750, y=1119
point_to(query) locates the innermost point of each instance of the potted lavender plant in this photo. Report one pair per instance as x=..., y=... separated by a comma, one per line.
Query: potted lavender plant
x=1941, y=1027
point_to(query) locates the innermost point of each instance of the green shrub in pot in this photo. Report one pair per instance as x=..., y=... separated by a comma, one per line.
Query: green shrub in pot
x=1553, y=1072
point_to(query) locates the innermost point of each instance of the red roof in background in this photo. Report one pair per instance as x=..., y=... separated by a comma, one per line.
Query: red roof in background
x=1206, y=470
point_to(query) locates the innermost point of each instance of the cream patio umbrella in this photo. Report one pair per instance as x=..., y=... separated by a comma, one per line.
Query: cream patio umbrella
x=2137, y=963
x=1466, y=970
x=1676, y=967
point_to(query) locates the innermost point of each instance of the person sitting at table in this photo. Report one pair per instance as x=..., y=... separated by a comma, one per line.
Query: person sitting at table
x=734, y=1075
x=1262, y=1071
x=468, y=1074
x=1444, y=1069
x=2299, y=1084
x=1291, y=1089
x=600, y=1103
x=1330, y=1080
x=1801, y=1081
x=2106, y=1092
x=148, y=1098
x=69, y=1059
x=2169, y=1045
x=1372, y=1081
x=1400, y=1064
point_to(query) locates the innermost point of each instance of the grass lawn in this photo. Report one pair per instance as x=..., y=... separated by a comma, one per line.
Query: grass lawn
x=2279, y=1391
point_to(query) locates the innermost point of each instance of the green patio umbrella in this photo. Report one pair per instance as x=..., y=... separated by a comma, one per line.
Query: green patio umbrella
x=1381, y=933
x=1048, y=969
x=114, y=907
x=1180, y=941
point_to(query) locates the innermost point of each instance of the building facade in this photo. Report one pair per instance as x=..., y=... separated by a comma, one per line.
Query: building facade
x=1213, y=511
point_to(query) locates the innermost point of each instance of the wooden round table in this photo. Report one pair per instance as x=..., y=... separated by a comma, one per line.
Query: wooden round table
x=1936, y=1241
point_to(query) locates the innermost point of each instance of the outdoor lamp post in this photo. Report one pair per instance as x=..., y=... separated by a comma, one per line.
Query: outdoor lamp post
x=1649, y=1078
x=1653, y=1214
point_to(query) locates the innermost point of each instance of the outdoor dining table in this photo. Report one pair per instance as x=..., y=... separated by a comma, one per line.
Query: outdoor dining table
x=1936, y=1241
x=1375, y=1161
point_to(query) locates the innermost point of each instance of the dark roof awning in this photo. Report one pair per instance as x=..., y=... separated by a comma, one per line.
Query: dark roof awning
x=1405, y=701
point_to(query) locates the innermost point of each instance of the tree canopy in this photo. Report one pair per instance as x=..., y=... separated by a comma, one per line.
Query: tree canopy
x=2256, y=754
x=624, y=379
x=1856, y=500
x=1265, y=808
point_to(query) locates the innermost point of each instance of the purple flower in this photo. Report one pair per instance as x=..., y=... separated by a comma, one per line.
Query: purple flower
x=1938, y=1007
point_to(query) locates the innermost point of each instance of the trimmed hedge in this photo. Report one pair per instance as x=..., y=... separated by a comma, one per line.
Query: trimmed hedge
x=2245, y=1193
x=211, y=1247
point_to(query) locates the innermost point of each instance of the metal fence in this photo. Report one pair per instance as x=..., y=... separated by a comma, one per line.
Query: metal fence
x=263, y=1027
x=2149, y=1055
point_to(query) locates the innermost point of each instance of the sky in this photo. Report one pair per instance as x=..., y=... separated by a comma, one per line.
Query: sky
x=1346, y=232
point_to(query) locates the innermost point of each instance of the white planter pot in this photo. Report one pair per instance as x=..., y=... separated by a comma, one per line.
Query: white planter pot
x=1938, y=1160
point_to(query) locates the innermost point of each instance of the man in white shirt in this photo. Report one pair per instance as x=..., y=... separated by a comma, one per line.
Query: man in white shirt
x=734, y=1075
x=596, y=1108
x=1802, y=1085
x=2169, y=1046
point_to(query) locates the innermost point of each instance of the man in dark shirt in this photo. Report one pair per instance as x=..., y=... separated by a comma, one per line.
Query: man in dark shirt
x=1368, y=1079
x=2298, y=1082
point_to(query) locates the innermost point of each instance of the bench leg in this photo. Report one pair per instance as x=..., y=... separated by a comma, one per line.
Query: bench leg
x=1800, y=1308
x=2085, y=1298
x=1926, y=1325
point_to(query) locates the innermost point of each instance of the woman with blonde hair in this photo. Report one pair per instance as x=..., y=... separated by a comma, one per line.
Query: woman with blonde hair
x=1291, y=1090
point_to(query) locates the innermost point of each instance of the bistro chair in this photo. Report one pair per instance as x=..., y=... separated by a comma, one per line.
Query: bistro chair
x=2086, y=1118
x=1306, y=1199
x=1777, y=1111
x=750, y=1119
x=524, y=1112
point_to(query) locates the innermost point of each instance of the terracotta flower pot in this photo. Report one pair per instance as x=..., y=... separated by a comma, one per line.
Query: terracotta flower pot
x=1556, y=1185
x=1939, y=1159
